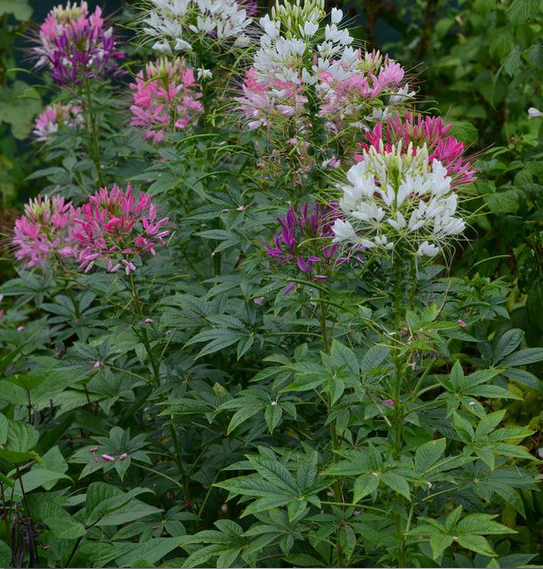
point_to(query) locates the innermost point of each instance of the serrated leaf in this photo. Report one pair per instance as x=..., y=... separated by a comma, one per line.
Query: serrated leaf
x=439, y=544
x=520, y=10
x=364, y=486
x=397, y=483
x=428, y=454
x=476, y=543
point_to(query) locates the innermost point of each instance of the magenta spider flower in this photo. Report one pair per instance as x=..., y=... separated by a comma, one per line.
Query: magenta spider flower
x=76, y=44
x=166, y=98
x=46, y=231
x=305, y=241
x=56, y=117
x=116, y=227
x=416, y=131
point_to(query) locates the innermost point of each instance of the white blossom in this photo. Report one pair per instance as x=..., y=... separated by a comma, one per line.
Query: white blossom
x=398, y=198
x=177, y=24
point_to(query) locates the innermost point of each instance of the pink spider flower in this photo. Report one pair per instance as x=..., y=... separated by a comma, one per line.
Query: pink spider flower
x=46, y=231
x=56, y=117
x=166, y=98
x=116, y=227
x=418, y=131
x=76, y=44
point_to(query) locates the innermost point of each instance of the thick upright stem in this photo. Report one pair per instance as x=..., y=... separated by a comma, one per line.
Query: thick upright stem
x=338, y=494
x=399, y=365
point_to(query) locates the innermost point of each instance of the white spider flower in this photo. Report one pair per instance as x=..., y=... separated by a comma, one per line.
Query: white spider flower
x=396, y=199
x=177, y=25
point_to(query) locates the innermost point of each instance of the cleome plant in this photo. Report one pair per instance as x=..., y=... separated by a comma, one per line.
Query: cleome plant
x=242, y=327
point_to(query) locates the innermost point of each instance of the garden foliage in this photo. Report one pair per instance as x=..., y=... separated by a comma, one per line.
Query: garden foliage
x=271, y=308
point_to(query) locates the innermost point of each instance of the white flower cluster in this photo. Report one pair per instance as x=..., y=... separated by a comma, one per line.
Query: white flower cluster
x=177, y=24
x=293, y=49
x=395, y=198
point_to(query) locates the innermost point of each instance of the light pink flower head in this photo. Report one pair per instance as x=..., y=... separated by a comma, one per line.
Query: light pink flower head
x=56, y=117
x=357, y=93
x=45, y=231
x=415, y=131
x=116, y=227
x=165, y=99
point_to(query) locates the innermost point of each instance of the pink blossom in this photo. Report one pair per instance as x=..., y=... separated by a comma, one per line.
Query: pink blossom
x=108, y=458
x=56, y=117
x=45, y=231
x=123, y=456
x=259, y=300
x=116, y=227
x=165, y=99
x=415, y=131
x=461, y=323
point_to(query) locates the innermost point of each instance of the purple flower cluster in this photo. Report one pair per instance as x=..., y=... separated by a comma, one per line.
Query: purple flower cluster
x=76, y=44
x=305, y=241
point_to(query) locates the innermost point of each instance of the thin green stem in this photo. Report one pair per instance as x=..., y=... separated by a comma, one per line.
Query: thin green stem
x=144, y=337
x=93, y=131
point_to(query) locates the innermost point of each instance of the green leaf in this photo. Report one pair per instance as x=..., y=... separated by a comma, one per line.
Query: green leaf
x=151, y=551
x=508, y=342
x=3, y=429
x=524, y=378
x=428, y=454
x=397, y=483
x=374, y=357
x=520, y=10
x=38, y=477
x=476, y=543
x=503, y=202
x=274, y=472
x=5, y=554
x=364, y=486
x=295, y=509
x=342, y=355
x=65, y=528
x=524, y=357
x=439, y=544
x=19, y=102
x=21, y=437
x=266, y=503
x=465, y=132
x=242, y=415
x=489, y=422
x=511, y=64
x=272, y=416
x=463, y=428
x=20, y=9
